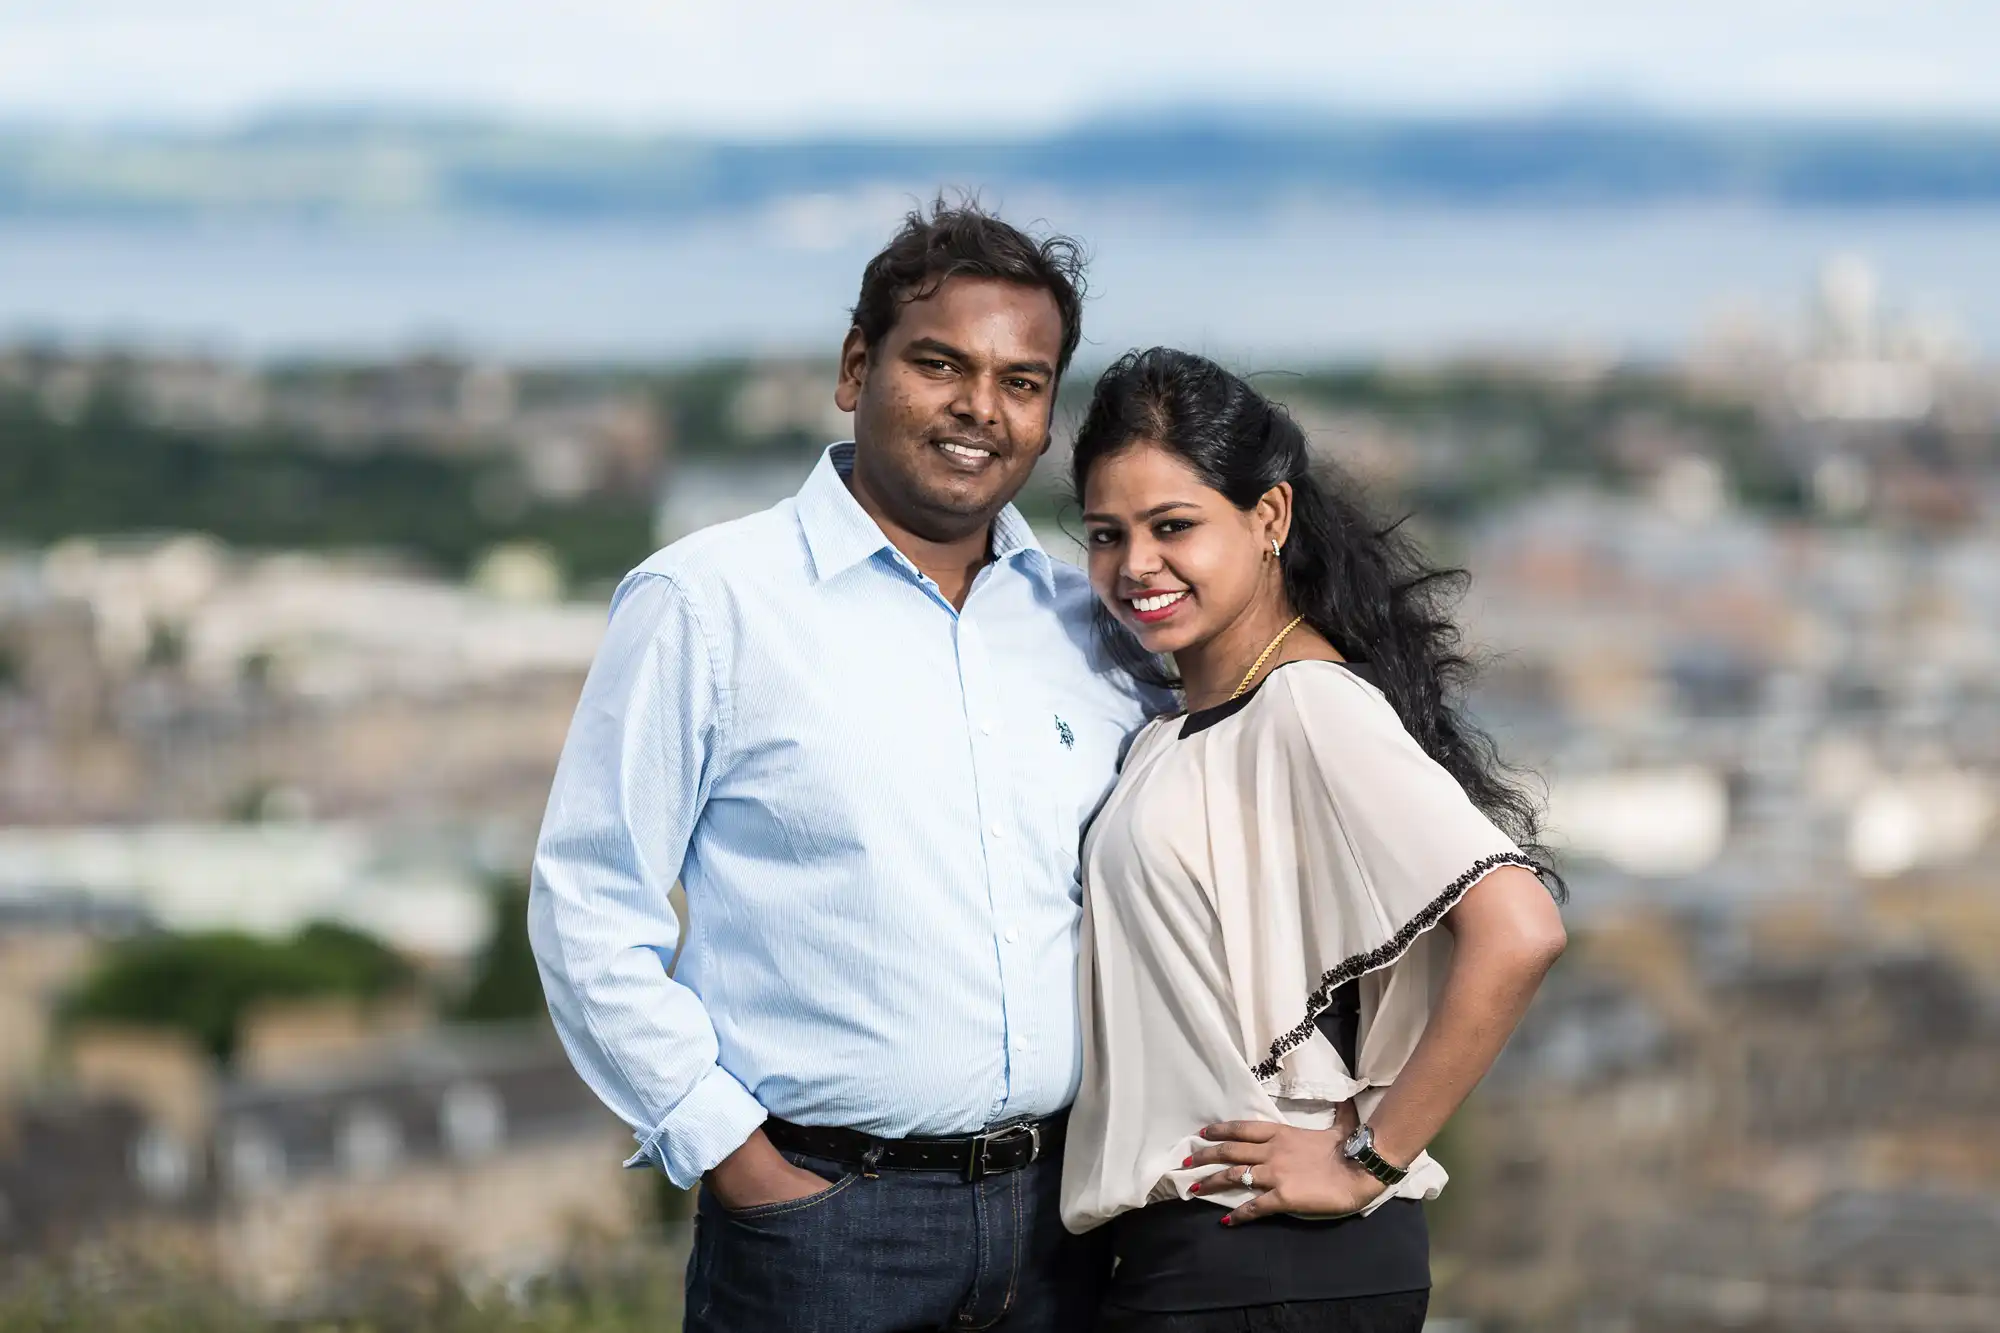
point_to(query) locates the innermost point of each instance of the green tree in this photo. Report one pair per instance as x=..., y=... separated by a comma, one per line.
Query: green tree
x=203, y=983
x=505, y=983
x=109, y=472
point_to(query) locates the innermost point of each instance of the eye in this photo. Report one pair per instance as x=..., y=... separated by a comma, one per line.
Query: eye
x=1024, y=386
x=1101, y=537
x=1172, y=526
x=933, y=363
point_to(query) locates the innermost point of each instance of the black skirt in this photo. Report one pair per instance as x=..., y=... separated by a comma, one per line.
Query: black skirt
x=1176, y=1257
x=1400, y=1313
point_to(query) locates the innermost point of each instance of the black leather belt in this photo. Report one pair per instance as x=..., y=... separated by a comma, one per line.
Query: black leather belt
x=1002, y=1148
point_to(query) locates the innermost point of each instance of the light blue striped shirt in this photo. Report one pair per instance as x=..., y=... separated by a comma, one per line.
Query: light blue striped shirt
x=874, y=803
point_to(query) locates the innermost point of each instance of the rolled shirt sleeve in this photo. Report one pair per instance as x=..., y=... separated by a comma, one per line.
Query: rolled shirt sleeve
x=642, y=755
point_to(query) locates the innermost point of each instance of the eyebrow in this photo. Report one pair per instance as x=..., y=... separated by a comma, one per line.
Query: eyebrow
x=942, y=348
x=939, y=346
x=1154, y=512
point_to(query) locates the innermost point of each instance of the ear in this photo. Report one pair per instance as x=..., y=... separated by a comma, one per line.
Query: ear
x=1273, y=513
x=853, y=371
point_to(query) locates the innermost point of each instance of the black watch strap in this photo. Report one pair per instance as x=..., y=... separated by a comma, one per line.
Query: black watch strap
x=1360, y=1150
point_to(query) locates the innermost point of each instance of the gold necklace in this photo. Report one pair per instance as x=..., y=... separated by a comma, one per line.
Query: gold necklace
x=1265, y=656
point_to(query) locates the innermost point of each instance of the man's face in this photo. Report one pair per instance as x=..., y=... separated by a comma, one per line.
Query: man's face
x=951, y=408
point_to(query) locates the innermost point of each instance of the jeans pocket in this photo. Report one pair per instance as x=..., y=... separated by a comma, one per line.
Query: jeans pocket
x=787, y=1207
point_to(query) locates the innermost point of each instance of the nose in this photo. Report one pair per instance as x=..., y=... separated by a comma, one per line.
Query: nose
x=1142, y=562
x=978, y=401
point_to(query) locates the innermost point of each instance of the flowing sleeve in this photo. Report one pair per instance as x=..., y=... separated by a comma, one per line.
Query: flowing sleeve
x=1388, y=843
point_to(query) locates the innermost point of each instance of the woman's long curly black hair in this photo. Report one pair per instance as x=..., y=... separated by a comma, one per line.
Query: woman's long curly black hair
x=1364, y=584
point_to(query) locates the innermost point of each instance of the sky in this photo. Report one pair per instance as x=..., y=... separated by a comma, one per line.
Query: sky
x=883, y=66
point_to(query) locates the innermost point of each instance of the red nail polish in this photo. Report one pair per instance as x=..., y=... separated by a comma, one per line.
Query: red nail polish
x=1228, y=1221
x=1186, y=1162
x=1195, y=1188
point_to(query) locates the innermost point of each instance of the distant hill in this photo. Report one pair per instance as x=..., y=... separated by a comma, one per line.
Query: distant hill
x=359, y=166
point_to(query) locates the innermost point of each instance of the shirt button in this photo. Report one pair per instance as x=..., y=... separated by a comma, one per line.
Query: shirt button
x=995, y=831
x=1012, y=935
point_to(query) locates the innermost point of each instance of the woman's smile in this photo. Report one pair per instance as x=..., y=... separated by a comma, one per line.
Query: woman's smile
x=1152, y=608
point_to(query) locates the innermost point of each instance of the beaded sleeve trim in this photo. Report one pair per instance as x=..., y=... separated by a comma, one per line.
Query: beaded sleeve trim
x=1375, y=959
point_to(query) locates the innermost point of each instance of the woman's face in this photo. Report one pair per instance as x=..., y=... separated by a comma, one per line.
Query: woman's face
x=1171, y=557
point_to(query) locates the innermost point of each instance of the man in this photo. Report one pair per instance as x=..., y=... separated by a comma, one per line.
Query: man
x=864, y=729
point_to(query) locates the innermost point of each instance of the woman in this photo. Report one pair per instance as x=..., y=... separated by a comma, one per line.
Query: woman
x=1273, y=1032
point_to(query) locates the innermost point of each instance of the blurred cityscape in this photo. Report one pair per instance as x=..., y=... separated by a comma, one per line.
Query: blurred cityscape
x=288, y=649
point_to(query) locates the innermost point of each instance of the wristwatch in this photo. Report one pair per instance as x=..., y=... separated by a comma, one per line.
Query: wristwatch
x=1360, y=1150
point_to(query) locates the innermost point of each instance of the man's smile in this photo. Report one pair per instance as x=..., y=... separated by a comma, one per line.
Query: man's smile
x=969, y=455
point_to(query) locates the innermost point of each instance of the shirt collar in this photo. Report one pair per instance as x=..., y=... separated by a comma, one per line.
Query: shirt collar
x=840, y=534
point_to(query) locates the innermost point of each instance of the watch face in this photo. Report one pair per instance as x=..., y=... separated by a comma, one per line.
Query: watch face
x=1358, y=1142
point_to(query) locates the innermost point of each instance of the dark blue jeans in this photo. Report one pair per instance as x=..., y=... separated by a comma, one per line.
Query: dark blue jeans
x=905, y=1251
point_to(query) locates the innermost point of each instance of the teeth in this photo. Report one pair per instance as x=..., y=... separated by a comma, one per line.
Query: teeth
x=962, y=451
x=1158, y=602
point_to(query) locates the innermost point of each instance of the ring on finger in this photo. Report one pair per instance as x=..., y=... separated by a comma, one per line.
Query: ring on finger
x=1248, y=1176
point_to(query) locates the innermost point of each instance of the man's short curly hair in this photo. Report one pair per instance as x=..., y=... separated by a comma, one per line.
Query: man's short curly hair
x=964, y=240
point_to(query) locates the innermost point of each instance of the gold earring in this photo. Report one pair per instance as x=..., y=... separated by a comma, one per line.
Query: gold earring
x=1277, y=552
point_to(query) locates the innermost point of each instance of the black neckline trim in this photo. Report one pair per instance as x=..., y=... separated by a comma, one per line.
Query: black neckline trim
x=1204, y=718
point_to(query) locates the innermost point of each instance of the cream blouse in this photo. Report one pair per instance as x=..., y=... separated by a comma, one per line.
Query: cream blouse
x=1235, y=878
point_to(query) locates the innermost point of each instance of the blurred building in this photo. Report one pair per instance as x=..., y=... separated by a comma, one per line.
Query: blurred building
x=1705, y=1125
x=1788, y=706
x=322, y=1166
x=569, y=434
x=424, y=895
x=174, y=679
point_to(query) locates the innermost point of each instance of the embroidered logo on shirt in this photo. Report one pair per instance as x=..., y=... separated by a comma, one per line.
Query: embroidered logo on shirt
x=1065, y=735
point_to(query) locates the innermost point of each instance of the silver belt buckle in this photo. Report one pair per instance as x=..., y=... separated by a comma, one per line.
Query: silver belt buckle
x=977, y=1168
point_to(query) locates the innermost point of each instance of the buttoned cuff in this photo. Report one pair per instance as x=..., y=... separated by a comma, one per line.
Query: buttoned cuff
x=710, y=1123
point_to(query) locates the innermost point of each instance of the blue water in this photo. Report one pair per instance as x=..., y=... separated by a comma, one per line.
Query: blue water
x=1318, y=281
